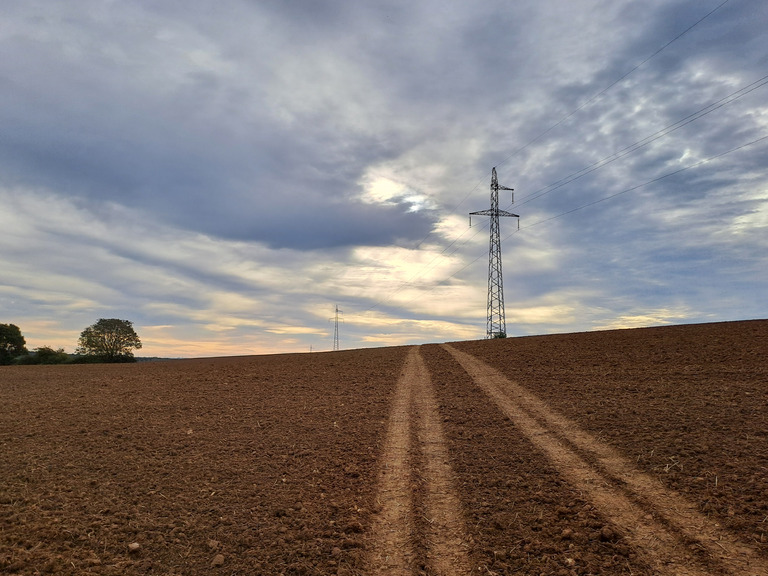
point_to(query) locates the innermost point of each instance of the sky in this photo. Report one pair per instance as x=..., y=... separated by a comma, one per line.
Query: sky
x=224, y=174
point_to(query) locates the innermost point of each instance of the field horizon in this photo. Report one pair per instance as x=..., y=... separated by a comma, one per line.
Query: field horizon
x=575, y=333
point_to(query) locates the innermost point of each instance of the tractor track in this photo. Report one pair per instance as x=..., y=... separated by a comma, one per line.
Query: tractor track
x=667, y=529
x=397, y=548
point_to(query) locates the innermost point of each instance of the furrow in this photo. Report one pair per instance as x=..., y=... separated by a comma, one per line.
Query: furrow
x=556, y=436
x=392, y=554
x=446, y=545
x=447, y=553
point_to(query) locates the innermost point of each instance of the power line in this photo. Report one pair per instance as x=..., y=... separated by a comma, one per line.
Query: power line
x=633, y=188
x=590, y=168
x=732, y=97
x=614, y=83
x=587, y=205
x=712, y=107
x=585, y=171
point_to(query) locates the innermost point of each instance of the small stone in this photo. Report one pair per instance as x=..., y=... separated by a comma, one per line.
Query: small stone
x=566, y=534
x=606, y=534
x=353, y=527
x=134, y=547
x=218, y=560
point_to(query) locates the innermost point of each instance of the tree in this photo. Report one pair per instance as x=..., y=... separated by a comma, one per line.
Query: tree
x=109, y=340
x=47, y=355
x=44, y=355
x=12, y=343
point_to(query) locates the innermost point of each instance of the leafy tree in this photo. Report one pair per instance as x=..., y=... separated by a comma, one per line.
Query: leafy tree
x=47, y=355
x=109, y=340
x=12, y=343
x=44, y=355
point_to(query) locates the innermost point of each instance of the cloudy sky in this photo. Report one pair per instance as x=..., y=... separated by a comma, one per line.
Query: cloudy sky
x=223, y=174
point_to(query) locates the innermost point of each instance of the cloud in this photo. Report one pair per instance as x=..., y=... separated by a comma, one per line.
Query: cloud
x=650, y=318
x=223, y=177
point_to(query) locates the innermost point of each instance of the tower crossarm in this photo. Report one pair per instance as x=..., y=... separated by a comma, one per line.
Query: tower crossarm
x=491, y=212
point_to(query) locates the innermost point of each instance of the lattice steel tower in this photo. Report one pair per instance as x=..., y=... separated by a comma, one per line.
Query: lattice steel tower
x=497, y=325
x=336, y=328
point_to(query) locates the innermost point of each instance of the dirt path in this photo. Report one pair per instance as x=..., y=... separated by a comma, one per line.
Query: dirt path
x=672, y=534
x=395, y=543
x=393, y=527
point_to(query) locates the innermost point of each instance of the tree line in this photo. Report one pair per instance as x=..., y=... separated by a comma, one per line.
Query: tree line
x=108, y=340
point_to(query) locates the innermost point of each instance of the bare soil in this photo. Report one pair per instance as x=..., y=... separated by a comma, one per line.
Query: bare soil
x=275, y=464
x=687, y=404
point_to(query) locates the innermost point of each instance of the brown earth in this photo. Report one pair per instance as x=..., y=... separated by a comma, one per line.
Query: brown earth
x=621, y=452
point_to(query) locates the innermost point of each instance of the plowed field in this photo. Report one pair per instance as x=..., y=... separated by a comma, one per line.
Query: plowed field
x=620, y=452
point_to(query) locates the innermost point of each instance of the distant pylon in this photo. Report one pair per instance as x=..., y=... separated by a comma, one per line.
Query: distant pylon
x=336, y=328
x=496, y=324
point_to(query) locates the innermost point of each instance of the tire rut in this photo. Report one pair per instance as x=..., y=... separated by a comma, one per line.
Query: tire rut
x=657, y=521
x=393, y=540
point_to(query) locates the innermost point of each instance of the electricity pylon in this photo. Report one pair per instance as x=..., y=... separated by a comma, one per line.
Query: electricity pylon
x=497, y=325
x=336, y=328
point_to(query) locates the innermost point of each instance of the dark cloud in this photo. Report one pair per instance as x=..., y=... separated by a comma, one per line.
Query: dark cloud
x=251, y=178
x=260, y=130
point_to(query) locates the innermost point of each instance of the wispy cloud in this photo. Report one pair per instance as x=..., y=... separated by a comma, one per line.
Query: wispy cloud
x=224, y=177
